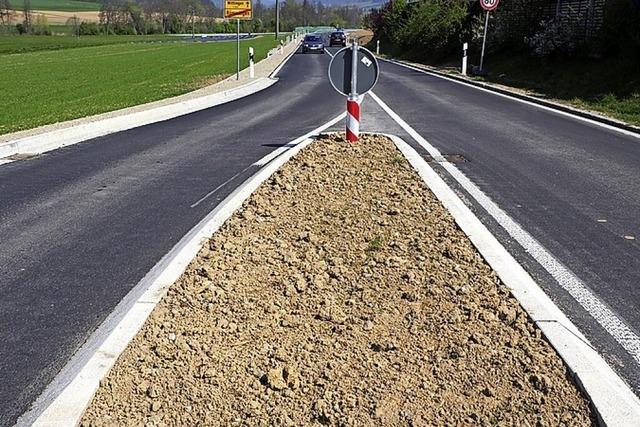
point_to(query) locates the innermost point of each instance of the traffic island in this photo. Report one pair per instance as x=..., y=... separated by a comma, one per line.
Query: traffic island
x=341, y=293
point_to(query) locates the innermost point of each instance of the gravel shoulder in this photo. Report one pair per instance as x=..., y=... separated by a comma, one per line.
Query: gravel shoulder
x=342, y=293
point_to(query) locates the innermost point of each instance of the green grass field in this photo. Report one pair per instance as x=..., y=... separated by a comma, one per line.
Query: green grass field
x=24, y=43
x=610, y=86
x=61, y=5
x=51, y=86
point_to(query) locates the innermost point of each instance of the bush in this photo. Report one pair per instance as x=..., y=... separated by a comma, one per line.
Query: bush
x=434, y=29
x=41, y=26
x=88, y=29
x=553, y=40
x=421, y=29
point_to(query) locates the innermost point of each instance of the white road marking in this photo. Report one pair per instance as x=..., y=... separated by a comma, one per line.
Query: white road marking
x=523, y=101
x=64, y=400
x=565, y=277
x=210, y=193
x=275, y=153
x=279, y=67
x=613, y=401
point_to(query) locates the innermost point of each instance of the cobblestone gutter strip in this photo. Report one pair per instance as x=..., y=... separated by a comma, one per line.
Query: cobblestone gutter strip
x=342, y=293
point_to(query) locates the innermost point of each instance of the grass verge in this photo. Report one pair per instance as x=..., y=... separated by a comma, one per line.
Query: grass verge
x=51, y=86
x=610, y=86
x=24, y=43
x=607, y=86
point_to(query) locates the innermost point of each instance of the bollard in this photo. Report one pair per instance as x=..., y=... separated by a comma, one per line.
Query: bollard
x=353, y=119
x=251, y=66
x=464, y=58
x=281, y=47
x=378, y=47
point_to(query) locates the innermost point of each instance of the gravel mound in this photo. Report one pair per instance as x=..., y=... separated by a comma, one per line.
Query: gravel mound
x=342, y=293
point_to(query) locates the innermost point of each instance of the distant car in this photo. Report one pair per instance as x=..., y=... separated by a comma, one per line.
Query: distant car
x=338, y=38
x=312, y=43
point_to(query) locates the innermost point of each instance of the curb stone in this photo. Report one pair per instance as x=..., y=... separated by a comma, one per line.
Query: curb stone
x=613, y=402
x=48, y=140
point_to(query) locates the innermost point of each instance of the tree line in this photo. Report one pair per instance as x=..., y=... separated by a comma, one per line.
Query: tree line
x=435, y=29
x=182, y=16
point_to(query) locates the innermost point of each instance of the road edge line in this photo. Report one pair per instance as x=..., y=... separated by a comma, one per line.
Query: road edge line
x=613, y=401
x=275, y=72
x=65, y=399
x=585, y=116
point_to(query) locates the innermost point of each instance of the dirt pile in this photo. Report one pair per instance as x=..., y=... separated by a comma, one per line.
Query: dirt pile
x=343, y=294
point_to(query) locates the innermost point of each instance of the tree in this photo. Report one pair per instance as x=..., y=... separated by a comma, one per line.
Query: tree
x=74, y=23
x=6, y=13
x=27, y=16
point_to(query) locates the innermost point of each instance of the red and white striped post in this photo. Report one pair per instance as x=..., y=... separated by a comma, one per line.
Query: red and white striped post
x=353, y=106
x=353, y=119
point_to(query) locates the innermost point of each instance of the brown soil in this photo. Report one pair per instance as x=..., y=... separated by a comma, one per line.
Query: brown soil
x=342, y=293
x=363, y=36
x=59, y=17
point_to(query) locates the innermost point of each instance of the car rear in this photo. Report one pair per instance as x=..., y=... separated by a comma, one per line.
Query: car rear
x=338, y=38
x=312, y=43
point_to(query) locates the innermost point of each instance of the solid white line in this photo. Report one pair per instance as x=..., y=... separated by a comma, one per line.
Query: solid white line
x=63, y=402
x=279, y=67
x=565, y=278
x=614, y=402
x=523, y=101
x=275, y=153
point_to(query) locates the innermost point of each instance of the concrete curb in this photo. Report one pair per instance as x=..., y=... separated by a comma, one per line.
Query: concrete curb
x=65, y=399
x=622, y=126
x=614, y=403
x=52, y=140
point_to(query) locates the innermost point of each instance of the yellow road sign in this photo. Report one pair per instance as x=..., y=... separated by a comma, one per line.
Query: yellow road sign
x=238, y=9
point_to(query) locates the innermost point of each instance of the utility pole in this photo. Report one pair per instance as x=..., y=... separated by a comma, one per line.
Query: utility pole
x=277, y=19
x=484, y=39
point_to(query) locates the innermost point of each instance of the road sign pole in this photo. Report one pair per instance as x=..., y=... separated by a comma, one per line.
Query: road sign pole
x=484, y=40
x=353, y=71
x=353, y=107
x=238, y=49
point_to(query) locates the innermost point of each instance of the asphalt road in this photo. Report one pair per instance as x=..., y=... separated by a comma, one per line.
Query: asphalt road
x=80, y=226
x=557, y=176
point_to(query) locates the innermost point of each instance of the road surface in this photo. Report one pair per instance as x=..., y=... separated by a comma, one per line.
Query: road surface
x=80, y=226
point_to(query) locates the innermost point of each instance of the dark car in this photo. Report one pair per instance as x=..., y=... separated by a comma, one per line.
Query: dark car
x=312, y=43
x=338, y=38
